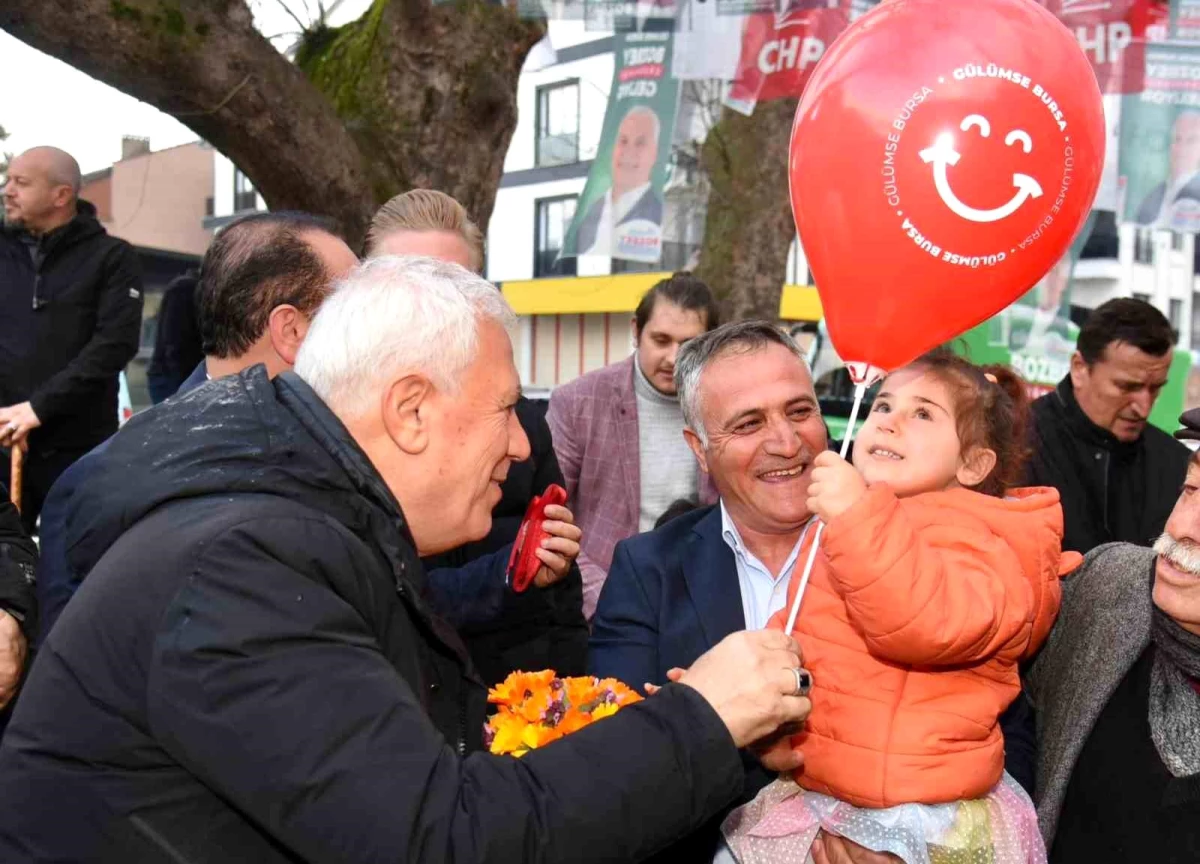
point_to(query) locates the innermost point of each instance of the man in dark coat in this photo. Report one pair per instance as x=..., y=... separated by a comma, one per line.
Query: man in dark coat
x=70, y=320
x=1091, y=437
x=265, y=276
x=252, y=673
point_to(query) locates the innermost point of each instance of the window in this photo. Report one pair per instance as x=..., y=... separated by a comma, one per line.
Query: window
x=1196, y=319
x=1145, y=298
x=1176, y=241
x=557, y=124
x=1175, y=314
x=1143, y=246
x=244, y=196
x=553, y=218
x=1104, y=241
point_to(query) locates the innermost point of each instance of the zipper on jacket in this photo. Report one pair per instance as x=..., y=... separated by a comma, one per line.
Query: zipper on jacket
x=462, y=722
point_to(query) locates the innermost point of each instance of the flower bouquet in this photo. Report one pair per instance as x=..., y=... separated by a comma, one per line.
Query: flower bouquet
x=538, y=707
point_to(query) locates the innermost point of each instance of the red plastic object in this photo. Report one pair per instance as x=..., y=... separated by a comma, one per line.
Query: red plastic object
x=523, y=564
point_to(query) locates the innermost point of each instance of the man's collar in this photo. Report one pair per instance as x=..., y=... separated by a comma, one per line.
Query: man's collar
x=733, y=537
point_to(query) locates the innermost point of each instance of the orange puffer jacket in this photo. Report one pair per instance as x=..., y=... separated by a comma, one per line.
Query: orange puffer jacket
x=916, y=616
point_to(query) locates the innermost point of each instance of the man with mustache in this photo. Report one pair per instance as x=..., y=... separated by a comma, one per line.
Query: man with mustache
x=617, y=430
x=1091, y=437
x=1117, y=693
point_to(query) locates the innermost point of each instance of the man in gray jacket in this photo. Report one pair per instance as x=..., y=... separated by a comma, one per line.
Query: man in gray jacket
x=1117, y=692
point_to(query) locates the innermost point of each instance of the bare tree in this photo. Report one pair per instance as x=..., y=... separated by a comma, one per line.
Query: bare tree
x=412, y=94
x=748, y=229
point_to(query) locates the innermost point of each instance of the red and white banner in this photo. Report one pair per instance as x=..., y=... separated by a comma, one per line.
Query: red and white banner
x=1113, y=35
x=779, y=50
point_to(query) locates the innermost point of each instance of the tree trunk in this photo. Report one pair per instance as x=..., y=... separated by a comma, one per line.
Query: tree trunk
x=410, y=95
x=749, y=227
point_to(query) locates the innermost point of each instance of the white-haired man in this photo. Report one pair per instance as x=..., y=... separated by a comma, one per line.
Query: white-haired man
x=252, y=673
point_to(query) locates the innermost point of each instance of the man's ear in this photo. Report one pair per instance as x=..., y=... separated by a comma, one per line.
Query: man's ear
x=975, y=468
x=1079, y=370
x=693, y=441
x=407, y=412
x=287, y=327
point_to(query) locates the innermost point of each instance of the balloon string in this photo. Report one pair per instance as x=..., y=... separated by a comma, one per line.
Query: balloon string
x=859, y=391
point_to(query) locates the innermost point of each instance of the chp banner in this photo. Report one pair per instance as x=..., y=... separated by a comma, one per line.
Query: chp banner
x=1113, y=35
x=780, y=49
x=620, y=212
x=1159, y=162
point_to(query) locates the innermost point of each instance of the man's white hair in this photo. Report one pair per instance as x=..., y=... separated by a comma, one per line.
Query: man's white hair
x=392, y=316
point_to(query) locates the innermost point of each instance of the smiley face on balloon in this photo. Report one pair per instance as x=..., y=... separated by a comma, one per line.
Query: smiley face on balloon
x=943, y=155
x=938, y=172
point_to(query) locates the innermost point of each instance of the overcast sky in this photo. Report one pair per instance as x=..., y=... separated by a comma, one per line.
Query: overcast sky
x=48, y=102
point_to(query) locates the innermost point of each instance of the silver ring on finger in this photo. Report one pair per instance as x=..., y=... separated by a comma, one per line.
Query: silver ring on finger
x=803, y=681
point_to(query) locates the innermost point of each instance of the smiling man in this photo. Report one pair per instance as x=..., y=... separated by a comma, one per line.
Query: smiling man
x=1092, y=440
x=753, y=423
x=1117, y=692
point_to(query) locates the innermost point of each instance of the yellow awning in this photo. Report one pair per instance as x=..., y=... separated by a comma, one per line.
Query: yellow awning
x=620, y=292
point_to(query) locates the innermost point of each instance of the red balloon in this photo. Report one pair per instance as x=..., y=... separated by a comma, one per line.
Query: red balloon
x=943, y=157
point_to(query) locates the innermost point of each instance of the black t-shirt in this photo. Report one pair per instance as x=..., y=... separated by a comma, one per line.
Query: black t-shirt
x=1122, y=804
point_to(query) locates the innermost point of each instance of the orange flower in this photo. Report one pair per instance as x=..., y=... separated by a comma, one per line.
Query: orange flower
x=533, y=709
x=573, y=721
x=581, y=691
x=515, y=687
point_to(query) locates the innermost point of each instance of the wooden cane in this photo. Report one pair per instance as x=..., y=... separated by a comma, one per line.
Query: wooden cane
x=16, y=467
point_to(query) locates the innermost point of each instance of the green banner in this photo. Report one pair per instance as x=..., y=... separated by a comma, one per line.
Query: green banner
x=1037, y=330
x=620, y=212
x=1159, y=159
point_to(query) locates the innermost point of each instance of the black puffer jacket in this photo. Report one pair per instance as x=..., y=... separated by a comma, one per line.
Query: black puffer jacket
x=70, y=319
x=250, y=673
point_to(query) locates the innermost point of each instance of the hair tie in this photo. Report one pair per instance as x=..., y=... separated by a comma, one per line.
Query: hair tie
x=989, y=376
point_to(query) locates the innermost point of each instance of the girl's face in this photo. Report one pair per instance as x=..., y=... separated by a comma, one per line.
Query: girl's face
x=910, y=439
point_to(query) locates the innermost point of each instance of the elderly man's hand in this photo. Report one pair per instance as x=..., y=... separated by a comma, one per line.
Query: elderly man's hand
x=748, y=680
x=558, y=550
x=16, y=422
x=836, y=486
x=831, y=849
x=12, y=656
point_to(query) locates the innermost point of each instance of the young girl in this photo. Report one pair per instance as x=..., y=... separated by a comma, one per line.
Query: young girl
x=935, y=579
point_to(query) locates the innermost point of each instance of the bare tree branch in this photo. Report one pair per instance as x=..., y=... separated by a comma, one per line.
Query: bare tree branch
x=410, y=95
x=284, y=6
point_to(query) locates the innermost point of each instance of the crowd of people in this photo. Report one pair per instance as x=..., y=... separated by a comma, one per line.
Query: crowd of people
x=260, y=620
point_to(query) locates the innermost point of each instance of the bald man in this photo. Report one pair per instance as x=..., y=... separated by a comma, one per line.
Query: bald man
x=632, y=197
x=70, y=319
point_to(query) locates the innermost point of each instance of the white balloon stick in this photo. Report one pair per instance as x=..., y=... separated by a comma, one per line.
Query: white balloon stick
x=859, y=391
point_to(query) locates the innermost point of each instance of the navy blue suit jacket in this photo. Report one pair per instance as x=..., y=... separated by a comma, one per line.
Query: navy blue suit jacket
x=670, y=595
x=469, y=594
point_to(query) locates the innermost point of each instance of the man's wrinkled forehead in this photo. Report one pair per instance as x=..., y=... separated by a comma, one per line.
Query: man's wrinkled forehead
x=737, y=381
